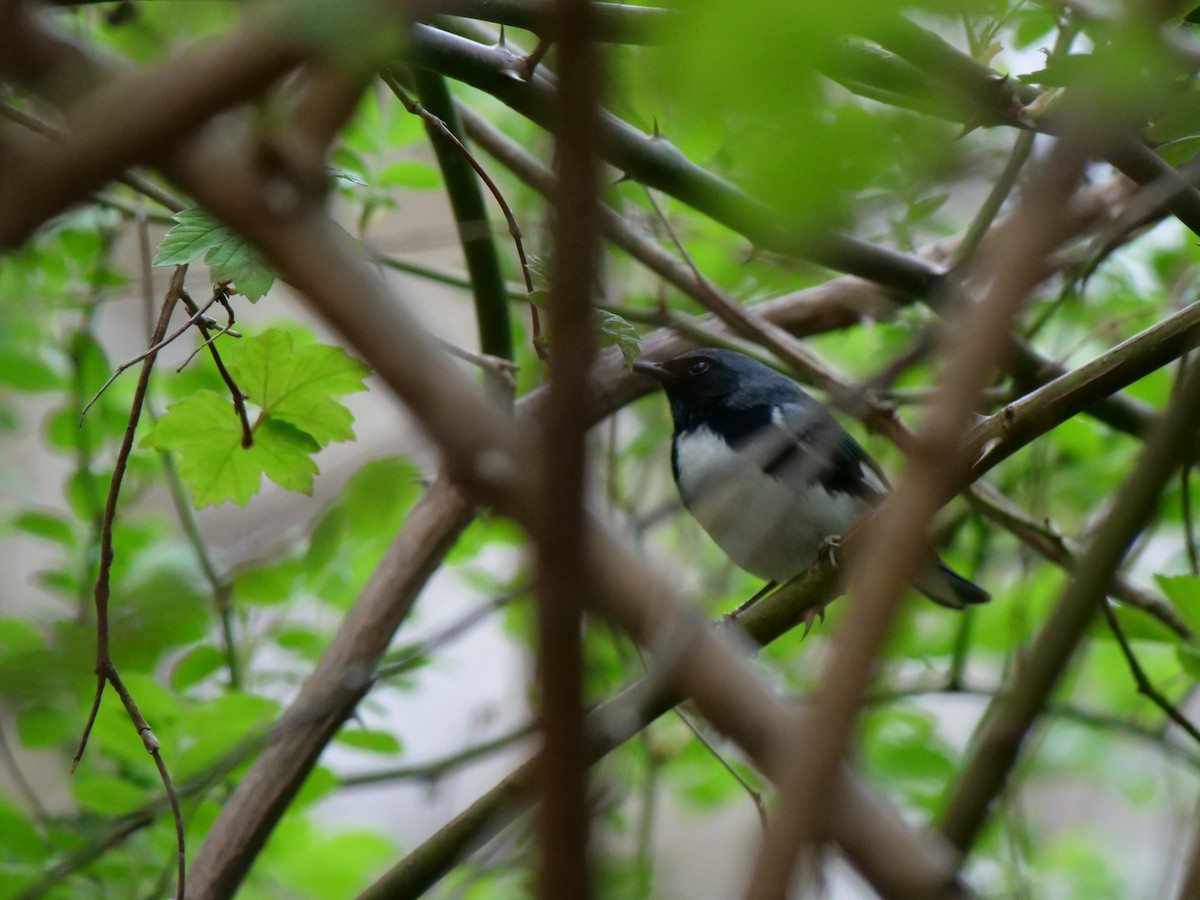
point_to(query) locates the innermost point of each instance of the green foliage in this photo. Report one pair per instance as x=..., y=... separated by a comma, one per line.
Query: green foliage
x=294, y=389
x=214, y=635
x=197, y=233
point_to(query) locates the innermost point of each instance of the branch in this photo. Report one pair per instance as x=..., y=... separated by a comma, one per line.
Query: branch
x=1009, y=719
x=894, y=545
x=221, y=294
x=560, y=527
x=106, y=671
x=869, y=830
x=142, y=185
x=613, y=23
x=437, y=769
x=1144, y=685
x=133, y=117
x=995, y=99
x=460, y=170
x=657, y=163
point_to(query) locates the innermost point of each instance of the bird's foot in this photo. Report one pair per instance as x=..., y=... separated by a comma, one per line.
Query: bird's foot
x=827, y=552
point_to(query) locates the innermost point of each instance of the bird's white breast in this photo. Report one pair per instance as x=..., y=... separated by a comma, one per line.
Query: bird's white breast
x=766, y=525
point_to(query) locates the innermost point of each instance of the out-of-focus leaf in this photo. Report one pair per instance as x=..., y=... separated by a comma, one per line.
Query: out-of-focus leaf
x=198, y=233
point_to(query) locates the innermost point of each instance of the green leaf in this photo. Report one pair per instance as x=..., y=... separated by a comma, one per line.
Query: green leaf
x=613, y=331
x=297, y=384
x=1189, y=660
x=344, y=175
x=266, y=585
x=196, y=665
x=1136, y=626
x=28, y=371
x=206, y=434
x=45, y=726
x=197, y=233
x=409, y=173
x=304, y=642
x=48, y=525
x=106, y=794
x=1184, y=593
x=372, y=741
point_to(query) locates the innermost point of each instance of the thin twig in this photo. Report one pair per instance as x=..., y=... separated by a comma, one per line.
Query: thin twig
x=755, y=796
x=221, y=295
x=18, y=776
x=1144, y=685
x=391, y=79
x=227, y=328
x=437, y=769
x=106, y=671
x=499, y=368
x=460, y=172
x=149, y=353
x=404, y=660
x=987, y=213
x=1009, y=720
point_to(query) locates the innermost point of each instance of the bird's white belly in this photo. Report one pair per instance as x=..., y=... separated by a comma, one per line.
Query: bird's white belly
x=767, y=526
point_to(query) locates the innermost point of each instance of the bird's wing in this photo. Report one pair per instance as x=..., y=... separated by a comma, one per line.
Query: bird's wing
x=806, y=443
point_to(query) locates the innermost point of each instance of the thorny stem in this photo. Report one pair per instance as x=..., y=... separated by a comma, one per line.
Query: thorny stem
x=391, y=79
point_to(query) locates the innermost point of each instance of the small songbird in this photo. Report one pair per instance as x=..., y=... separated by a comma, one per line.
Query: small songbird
x=768, y=472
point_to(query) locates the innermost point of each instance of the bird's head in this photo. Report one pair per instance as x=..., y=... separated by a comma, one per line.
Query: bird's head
x=710, y=378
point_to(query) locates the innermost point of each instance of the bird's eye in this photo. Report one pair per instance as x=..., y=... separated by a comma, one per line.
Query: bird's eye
x=699, y=367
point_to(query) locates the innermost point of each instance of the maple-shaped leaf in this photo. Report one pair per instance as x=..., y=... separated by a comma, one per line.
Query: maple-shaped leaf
x=294, y=388
x=298, y=385
x=206, y=433
x=228, y=255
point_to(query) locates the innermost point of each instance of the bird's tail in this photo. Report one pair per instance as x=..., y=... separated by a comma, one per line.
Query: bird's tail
x=947, y=588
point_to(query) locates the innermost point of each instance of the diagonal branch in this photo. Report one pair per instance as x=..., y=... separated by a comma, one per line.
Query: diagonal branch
x=894, y=542
x=1010, y=718
x=656, y=163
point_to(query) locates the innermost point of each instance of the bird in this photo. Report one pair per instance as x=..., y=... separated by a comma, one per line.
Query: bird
x=769, y=473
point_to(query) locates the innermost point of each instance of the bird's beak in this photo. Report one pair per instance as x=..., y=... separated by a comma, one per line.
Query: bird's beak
x=654, y=370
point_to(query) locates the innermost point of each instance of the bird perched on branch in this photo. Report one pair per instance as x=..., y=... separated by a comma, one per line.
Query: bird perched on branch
x=768, y=472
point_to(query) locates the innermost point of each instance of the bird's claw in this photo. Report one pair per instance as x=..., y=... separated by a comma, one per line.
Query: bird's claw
x=827, y=552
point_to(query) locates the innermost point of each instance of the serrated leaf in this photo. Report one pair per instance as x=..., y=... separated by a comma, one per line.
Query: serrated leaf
x=206, y=434
x=298, y=385
x=198, y=233
x=237, y=261
x=613, y=331
x=194, y=233
x=539, y=269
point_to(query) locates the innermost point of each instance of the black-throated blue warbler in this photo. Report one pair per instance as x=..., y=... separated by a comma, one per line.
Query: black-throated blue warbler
x=768, y=472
